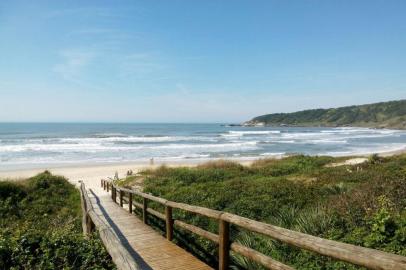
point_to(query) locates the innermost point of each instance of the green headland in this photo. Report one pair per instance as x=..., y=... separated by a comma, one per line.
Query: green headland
x=391, y=114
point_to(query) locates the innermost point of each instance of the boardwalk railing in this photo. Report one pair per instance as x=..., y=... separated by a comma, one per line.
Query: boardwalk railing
x=370, y=258
x=91, y=222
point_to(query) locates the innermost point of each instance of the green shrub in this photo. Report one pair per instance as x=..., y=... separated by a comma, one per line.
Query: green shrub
x=362, y=204
x=41, y=227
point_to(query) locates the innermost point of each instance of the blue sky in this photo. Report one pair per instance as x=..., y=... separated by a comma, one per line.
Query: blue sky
x=196, y=61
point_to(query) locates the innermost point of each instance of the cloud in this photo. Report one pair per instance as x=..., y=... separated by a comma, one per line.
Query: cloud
x=73, y=63
x=139, y=64
x=85, y=12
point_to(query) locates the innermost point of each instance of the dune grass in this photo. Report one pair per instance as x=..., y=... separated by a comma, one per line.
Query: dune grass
x=40, y=227
x=361, y=204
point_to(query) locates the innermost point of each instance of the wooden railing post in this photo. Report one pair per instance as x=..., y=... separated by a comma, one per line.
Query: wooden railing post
x=89, y=225
x=224, y=244
x=101, y=183
x=130, y=202
x=121, y=197
x=369, y=258
x=144, y=210
x=108, y=187
x=169, y=222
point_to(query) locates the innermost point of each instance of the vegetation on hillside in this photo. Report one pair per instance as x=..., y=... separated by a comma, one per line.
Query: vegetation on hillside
x=360, y=204
x=40, y=227
x=390, y=114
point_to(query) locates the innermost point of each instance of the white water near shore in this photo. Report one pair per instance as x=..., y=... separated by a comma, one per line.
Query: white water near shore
x=38, y=146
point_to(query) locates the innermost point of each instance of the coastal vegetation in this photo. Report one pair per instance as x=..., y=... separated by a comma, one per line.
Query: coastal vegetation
x=390, y=114
x=40, y=227
x=363, y=204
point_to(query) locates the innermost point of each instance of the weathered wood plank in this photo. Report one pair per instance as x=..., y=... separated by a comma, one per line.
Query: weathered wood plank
x=144, y=210
x=169, y=223
x=208, y=235
x=259, y=257
x=366, y=257
x=155, y=250
x=369, y=258
x=130, y=203
x=224, y=244
x=195, y=209
x=84, y=213
x=120, y=256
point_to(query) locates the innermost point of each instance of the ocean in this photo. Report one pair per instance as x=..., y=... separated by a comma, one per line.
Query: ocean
x=35, y=145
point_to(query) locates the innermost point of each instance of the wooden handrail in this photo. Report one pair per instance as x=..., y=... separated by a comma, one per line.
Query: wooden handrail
x=370, y=258
x=259, y=257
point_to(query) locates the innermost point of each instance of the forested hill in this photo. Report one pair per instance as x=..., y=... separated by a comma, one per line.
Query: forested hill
x=390, y=114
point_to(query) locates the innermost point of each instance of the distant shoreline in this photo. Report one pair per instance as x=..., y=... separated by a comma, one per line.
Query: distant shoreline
x=389, y=114
x=310, y=125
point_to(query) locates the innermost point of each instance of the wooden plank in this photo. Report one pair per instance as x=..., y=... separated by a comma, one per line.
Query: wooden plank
x=156, y=213
x=157, y=252
x=224, y=244
x=194, y=229
x=84, y=213
x=366, y=257
x=369, y=258
x=144, y=210
x=196, y=209
x=120, y=256
x=121, y=197
x=130, y=203
x=259, y=257
x=169, y=223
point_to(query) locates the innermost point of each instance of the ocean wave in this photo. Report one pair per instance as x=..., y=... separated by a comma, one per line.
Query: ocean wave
x=328, y=141
x=298, y=135
x=273, y=154
x=190, y=156
x=250, y=144
x=254, y=132
x=183, y=143
x=119, y=139
x=101, y=140
x=107, y=135
x=234, y=133
x=111, y=148
x=348, y=131
x=278, y=141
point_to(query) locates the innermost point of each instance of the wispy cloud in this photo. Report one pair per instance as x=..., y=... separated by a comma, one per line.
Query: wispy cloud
x=73, y=63
x=139, y=64
x=85, y=11
x=105, y=35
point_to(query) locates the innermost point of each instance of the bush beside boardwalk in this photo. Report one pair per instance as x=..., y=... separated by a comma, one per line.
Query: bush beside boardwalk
x=361, y=204
x=40, y=227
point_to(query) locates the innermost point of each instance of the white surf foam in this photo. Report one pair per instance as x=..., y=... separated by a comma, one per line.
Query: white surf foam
x=253, y=132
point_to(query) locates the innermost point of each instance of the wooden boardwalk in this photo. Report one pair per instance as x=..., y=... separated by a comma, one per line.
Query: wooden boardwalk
x=148, y=247
x=133, y=245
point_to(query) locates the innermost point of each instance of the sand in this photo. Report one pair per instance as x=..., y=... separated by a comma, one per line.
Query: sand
x=94, y=173
x=351, y=161
x=91, y=174
x=85, y=173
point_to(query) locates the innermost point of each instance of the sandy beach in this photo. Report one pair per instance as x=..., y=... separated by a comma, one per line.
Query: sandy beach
x=93, y=173
x=86, y=173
